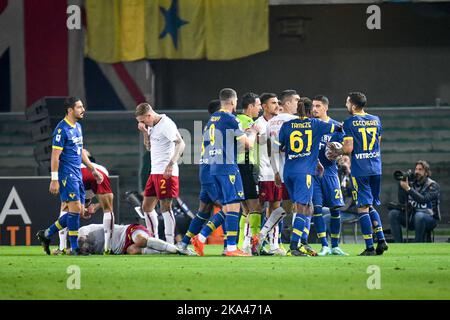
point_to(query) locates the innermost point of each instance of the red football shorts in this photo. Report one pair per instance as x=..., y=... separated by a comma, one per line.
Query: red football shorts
x=158, y=186
x=268, y=191
x=91, y=184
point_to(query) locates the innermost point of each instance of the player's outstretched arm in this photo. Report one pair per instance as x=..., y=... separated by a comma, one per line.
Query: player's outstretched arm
x=54, y=165
x=97, y=175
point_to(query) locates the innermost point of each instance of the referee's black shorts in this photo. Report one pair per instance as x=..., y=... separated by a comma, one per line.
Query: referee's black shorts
x=249, y=181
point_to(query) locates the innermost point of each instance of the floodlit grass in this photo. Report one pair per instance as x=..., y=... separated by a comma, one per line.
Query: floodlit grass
x=408, y=271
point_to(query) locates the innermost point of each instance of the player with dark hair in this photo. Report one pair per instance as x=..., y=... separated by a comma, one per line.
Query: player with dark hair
x=288, y=99
x=327, y=188
x=362, y=141
x=104, y=195
x=223, y=133
x=207, y=198
x=300, y=139
x=66, y=177
x=250, y=220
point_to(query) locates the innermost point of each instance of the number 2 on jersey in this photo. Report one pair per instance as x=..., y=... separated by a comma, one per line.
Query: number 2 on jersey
x=296, y=141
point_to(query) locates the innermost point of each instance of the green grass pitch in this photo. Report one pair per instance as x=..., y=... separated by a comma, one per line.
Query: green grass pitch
x=407, y=271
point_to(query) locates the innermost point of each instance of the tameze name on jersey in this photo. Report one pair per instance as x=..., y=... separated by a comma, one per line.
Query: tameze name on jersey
x=300, y=155
x=367, y=155
x=365, y=123
x=306, y=125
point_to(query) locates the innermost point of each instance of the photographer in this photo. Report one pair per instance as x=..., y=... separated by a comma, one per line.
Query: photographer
x=423, y=203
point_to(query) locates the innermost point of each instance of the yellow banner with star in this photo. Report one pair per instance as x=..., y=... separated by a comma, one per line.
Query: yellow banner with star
x=176, y=29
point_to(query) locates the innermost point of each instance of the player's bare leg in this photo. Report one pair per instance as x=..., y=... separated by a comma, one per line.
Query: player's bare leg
x=106, y=202
x=151, y=217
x=169, y=219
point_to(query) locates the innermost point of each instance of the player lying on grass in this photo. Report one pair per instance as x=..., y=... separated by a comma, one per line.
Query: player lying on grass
x=127, y=239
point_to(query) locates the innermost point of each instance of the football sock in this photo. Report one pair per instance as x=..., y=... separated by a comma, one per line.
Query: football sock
x=216, y=221
x=73, y=224
x=366, y=229
x=376, y=223
x=305, y=233
x=62, y=234
x=299, y=225
x=319, y=223
x=224, y=228
x=169, y=226
x=158, y=244
x=151, y=221
x=195, y=227
x=335, y=227
x=274, y=218
x=242, y=227
x=232, y=225
x=280, y=230
x=255, y=222
x=108, y=226
x=273, y=238
x=59, y=224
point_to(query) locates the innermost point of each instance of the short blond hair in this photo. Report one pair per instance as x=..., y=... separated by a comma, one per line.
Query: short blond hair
x=143, y=109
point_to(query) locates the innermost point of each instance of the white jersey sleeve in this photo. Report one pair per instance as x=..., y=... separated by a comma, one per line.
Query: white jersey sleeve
x=265, y=170
x=118, y=238
x=273, y=131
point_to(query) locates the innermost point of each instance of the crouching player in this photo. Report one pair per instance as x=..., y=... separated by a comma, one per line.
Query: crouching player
x=127, y=239
x=105, y=196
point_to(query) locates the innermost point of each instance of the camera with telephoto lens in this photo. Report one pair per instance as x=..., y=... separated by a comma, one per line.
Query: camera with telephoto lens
x=403, y=175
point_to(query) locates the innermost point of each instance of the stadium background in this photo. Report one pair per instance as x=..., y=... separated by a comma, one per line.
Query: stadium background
x=323, y=48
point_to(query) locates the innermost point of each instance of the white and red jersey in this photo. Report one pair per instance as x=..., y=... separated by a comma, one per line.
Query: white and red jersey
x=162, y=140
x=96, y=238
x=273, y=132
x=90, y=184
x=265, y=170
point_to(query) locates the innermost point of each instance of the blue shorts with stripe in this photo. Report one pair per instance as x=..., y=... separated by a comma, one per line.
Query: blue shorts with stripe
x=327, y=192
x=366, y=190
x=209, y=193
x=71, y=188
x=229, y=188
x=299, y=187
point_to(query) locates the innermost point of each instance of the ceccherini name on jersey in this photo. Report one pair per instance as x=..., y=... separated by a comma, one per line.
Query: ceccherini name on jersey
x=367, y=155
x=364, y=123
